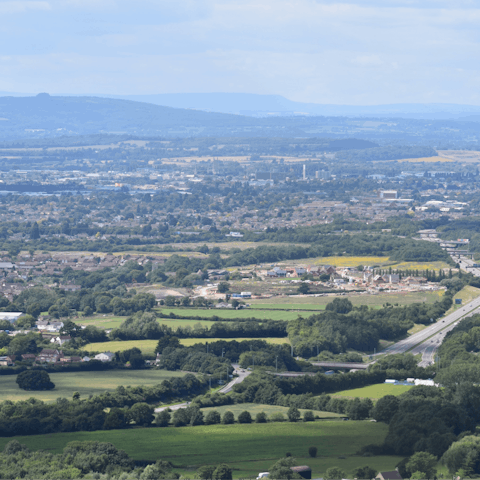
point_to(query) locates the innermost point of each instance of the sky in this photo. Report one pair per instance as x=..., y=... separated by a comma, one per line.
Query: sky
x=366, y=52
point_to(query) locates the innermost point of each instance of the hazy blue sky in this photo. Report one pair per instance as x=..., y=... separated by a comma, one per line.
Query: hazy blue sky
x=356, y=52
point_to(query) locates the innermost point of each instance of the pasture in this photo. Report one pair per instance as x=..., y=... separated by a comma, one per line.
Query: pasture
x=248, y=448
x=255, y=408
x=86, y=383
x=148, y=346
x=229, y=313
x=374, y=391
x=318, y=303
x=107, y=322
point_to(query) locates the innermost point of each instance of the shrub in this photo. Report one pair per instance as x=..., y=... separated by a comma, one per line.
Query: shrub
x=334, y=473
x=245, y=417
x=312, y=451
x=261, y=417
x=228, y=418
x=277, y=417
x=34, y=380
x=308, y=416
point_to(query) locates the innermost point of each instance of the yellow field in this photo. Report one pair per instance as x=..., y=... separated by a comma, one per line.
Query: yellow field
x=148, y=346
x=426, y=160
x=351, y=261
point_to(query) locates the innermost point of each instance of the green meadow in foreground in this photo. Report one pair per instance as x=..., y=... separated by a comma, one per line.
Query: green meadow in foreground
x=86, y=383
x=248, y=448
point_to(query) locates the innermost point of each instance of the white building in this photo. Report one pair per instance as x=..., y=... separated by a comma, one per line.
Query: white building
x=105, y=356
x=12, y=317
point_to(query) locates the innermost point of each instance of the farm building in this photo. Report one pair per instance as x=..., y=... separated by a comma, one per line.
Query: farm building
x=303, y=470
x=393, y=475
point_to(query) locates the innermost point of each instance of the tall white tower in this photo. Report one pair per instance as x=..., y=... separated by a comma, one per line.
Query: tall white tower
x=304, y=172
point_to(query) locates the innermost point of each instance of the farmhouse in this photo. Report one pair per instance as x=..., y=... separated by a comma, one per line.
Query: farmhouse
x=48, y=355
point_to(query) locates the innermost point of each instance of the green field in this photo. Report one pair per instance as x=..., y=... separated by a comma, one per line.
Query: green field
x=86, y=383
x=319, y=303
x=230, y=313
x=374, y=391
x=248, y=448
x=148, y=346
x=467, y=294
x=106, y=322
x=255, y=408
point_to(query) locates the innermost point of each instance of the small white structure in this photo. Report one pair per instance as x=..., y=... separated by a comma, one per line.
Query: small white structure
x=105, y=356
x=11, y=317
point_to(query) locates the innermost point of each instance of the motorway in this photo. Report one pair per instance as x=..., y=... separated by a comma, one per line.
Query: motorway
x=429, y=339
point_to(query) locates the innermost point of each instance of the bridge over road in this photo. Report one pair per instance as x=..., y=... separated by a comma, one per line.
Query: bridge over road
x=334, y=365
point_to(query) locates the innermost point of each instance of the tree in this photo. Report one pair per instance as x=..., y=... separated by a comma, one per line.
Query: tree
x=365, y=473
x=282, y=469
x=228, y=418
x=385, y=408
x=222, y=472
x=34, y=380
x=213, y=417
x=312, y=451
x=261, y=417
x=304, y=288
x=422, y=462
x=206, y=472
x=166, y=342
x=115, y=419
x=309, y=416
x=245, y=417
x=223, y=287
x=340, y=305
x=35, y=232
x=293, y=414
x=334, y=473
x=142, y=414
x=163, y=419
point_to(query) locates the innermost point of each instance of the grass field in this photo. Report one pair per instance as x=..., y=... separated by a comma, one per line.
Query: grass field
x=86, y=383
x=319, y=303
x=106, y=322
x=148, y=346
x=374, y=391
x=248, y=448
x=229, y=313
x=255, y=408
x=467, y=294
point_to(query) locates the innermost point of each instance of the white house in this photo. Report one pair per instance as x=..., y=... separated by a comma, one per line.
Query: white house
x=105, y=356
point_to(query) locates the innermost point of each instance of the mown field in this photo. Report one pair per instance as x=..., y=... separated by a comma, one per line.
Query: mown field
x=255, y=408
x=467, y=294
x=148, y=346
x=374, y=391
x=86, y=383
x=319, y=303
x=107, y=322
x=248, y=448
x=229, y=313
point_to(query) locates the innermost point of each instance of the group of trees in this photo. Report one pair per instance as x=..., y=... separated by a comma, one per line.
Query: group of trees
x=124, y=407
x=78, y=459
x=343, y=327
